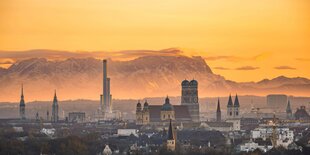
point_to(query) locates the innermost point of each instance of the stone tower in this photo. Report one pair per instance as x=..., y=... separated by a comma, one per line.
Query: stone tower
x=145, y=114
x=190, y=98
x=218, y=112
x=22, y=105
x=139, y=114
x=230, y=108
x=170, y=138
x=55, y=116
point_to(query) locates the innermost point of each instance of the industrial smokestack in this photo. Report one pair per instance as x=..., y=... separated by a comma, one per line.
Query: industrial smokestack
x=105, y=91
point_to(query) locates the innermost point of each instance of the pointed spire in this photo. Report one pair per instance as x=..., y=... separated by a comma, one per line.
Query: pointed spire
x=288, y=107
x=218, y=106
x=22, y=92
x=22, y=101
x=55, y=97
x=170, y=132
x=236, y=103
x=230, y=103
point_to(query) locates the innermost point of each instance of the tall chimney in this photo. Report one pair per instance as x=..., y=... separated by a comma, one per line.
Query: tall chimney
x=105, y=95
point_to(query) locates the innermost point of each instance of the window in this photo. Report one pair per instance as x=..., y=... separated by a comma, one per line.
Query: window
x=168, y=116
x=230, y=113
x=237, y=113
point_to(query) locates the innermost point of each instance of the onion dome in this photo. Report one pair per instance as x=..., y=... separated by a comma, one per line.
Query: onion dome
x=230, y=103
x=185, y=83
x=138, y=106
x=167, y=106
x=193, y=83
x=146, y=105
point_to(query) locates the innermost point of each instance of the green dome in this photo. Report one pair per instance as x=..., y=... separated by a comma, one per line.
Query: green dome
x=167, y=106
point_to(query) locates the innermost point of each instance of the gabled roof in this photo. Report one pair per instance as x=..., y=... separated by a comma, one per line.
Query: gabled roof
x=180, y=111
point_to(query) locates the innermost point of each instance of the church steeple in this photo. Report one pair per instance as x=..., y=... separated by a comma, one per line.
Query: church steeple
x=22, y=105
x=230, y=103
x=289, y=110
x=170, y=138
x=55, y=116
x=236, y=103
x=218, y=111
x=55, y=97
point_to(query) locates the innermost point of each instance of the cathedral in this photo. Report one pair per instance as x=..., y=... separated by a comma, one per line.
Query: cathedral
x=188, y=111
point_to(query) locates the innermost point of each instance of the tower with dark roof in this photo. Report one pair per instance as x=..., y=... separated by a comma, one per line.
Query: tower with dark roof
x=170, y=138
x=189, y=97
x=145, y=113
x=289, y=113
x=22, y=105
x=139, y=114
x=230, y=108
x=167, y=111
x=236, y=106
x=55, y=116
x=218, y=112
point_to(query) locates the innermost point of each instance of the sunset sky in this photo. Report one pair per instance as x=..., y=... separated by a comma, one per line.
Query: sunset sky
x=243, y=40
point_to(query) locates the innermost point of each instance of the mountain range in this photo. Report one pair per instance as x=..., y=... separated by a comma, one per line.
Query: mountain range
x=145, y=76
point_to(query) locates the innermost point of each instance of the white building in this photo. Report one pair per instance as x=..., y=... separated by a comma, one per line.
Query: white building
x=251, y=146
x=285, y=136
x=127, y=132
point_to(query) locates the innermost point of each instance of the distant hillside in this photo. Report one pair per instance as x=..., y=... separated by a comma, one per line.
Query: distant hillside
x=146, y=76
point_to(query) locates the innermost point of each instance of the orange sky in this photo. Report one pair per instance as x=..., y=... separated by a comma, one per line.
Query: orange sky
x=243, y=40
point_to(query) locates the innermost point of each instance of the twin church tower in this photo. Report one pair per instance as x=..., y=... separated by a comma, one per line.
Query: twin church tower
x=22, y=108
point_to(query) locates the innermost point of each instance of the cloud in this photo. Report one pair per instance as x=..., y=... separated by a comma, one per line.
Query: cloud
x=237, y=58
x=14, y=56
x=247, y=68
x=303, y=59
x=285, y=68
x=229, y=58
x=221, y=68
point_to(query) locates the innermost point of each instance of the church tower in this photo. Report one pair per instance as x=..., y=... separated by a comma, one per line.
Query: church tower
x=146, y=114
x=218, y=112
x=139, y=114
x=190, y=98
x=289, y=114
x=236, y=107
x=230, y=108
x=170, y=138
x=22, y=105
x=55, y=116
